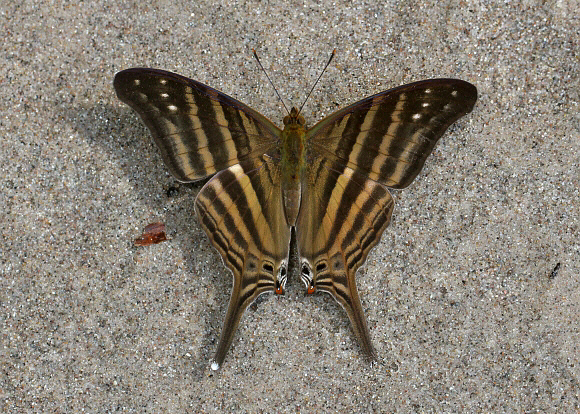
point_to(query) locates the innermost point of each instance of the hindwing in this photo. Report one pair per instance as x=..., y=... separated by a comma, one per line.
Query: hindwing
x=342, y=217
x=241, y=211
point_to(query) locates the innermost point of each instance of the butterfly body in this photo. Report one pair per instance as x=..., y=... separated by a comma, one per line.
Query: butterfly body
x=328, y=182
x=292, y=163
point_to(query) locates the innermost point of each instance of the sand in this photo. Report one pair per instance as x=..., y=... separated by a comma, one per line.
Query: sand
x=472, y=296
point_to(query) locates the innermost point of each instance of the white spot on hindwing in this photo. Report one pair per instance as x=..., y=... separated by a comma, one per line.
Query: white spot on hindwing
x=454, y=94
x=164, y=95
x=172, y=108
x=163, y=81
x=416, y=117
x=425, y=104
x=137, y=82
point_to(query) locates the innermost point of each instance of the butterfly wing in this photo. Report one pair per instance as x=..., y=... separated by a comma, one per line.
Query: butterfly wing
x=199, y=130
x=342, y=216
x=389, y=136
x=242, y=212
x=380, y=141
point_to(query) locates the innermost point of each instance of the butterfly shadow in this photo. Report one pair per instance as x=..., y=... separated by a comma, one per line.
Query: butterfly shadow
x=127, y=144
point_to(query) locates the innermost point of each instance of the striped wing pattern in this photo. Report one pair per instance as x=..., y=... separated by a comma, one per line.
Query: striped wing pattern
x=242, y=213
x=389, y=136
x=351, y=156
x=355, y=153
x=342, y=217
x=199, y=130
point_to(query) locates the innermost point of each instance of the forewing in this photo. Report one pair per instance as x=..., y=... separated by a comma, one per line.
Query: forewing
x=389, y=136
x=199, y=130
x=241, y=211
x=342, y=216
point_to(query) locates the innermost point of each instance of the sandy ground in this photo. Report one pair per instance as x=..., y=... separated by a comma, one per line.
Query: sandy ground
x=472, y=295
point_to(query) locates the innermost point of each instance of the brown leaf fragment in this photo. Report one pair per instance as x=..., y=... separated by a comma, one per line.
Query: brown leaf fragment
x=154, y=233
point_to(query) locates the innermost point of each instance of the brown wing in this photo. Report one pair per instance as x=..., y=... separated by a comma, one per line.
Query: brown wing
x=242, y=213
x=380, y=141
x=388, y=136
x=199, y=130
x=342, y=216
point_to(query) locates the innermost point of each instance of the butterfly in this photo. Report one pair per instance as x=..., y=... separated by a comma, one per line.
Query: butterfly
x=328, y=182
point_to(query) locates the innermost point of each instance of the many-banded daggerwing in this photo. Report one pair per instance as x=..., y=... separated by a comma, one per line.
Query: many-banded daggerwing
x=329, y=182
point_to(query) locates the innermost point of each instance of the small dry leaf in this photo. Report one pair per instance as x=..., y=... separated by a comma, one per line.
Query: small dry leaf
x=154, y=233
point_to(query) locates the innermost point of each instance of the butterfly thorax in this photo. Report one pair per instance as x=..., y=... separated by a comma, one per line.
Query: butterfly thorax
x=292, y=163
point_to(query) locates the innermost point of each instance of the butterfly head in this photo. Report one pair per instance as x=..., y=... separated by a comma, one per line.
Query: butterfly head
x=294, y=118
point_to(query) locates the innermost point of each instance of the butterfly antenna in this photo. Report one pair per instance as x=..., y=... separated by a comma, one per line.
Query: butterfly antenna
x=315, y=83
x=271, y=83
